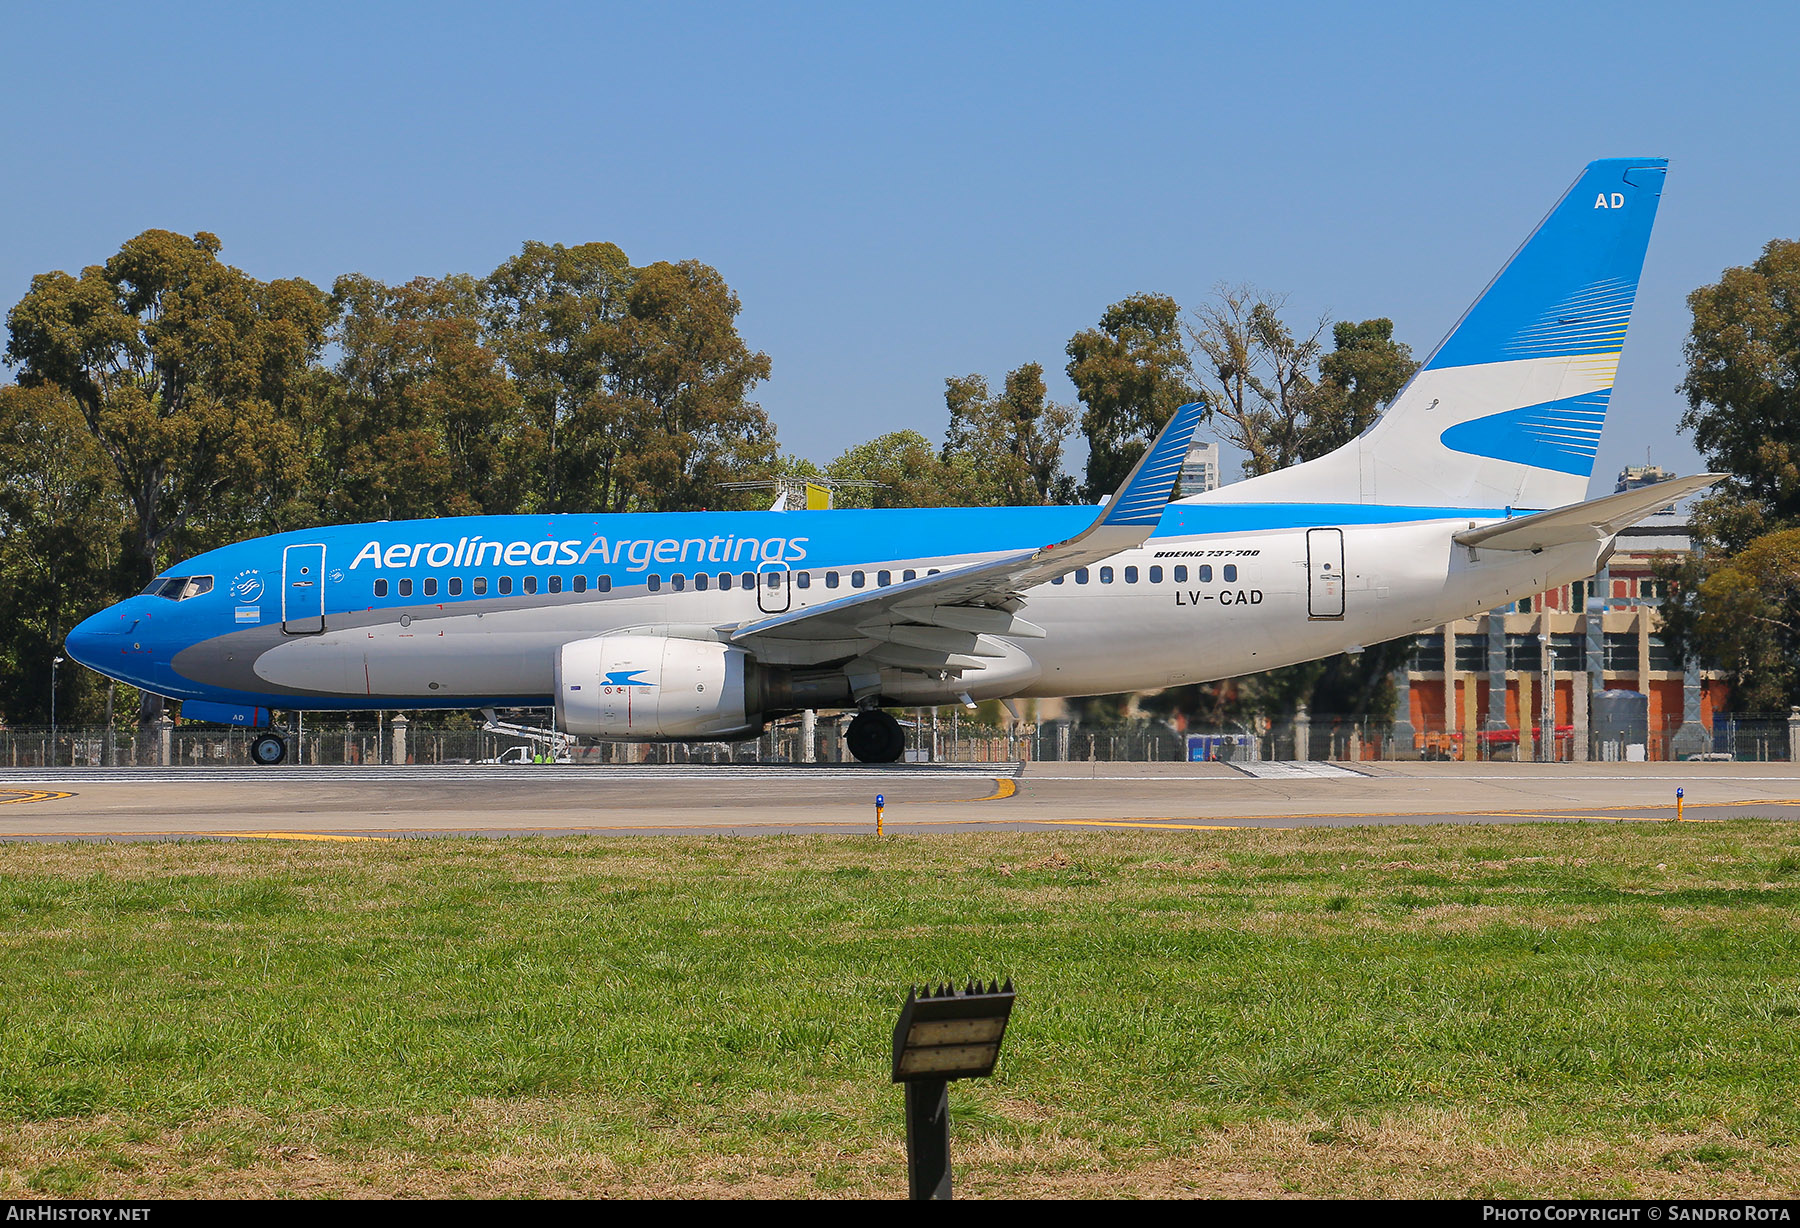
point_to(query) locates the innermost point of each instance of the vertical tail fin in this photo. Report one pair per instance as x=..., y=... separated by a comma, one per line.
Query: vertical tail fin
x=1507, y=410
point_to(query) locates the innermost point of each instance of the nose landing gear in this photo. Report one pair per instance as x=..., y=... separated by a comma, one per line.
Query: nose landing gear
x=875, y=737
x=268, y=750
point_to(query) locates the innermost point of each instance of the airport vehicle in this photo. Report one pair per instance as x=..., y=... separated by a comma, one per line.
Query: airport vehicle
x=705, y=626
x=525, y=756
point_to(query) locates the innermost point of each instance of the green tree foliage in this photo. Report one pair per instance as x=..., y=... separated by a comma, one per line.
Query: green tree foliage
x=420, y=419
x=1748, y=617
x=683, y=376
x=1731, y=603
x=908, y=470
x=553, y=312
x=1282, y=398
x=60, y=546
x=1365, y=370
x=186, y=372
x=1131, y=372
x=636, y=379
x=1743, y=394
x=1007, y=448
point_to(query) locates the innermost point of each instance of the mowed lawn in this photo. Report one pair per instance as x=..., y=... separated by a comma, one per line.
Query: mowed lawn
x=1551, y=1009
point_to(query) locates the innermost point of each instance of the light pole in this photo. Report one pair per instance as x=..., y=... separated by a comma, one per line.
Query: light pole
x=54, y=662
x=941, y=1035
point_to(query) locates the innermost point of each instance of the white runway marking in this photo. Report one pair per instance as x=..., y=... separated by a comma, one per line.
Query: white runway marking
x=1275, y=769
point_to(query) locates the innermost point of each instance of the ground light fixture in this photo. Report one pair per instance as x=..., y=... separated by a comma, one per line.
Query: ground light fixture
x=943, y=1034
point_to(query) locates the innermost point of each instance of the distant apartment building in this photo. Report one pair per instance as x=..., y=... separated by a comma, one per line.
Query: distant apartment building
x=1200, y=469
x=1631, y=477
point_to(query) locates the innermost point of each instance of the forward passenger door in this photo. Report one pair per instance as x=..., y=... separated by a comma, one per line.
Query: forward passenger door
x=303, y=590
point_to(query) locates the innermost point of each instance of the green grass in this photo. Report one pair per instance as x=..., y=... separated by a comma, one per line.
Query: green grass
x=1604, y=1009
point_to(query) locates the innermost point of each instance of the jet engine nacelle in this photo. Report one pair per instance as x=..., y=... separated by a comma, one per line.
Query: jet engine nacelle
x=648, y=687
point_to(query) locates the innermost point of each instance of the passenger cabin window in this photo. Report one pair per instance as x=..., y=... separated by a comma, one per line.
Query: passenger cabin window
x=749, y=579
x=406, y=588
x=831, y=579
x=856, y=579
x=678, y=583
x=531, y=584
x=725, y=580
x=884, y=578
x=1131, y=575
x=556, y=584
x=603, y=584
x=505, y=585
x=1231, y=573
x=1181, y=574
x=481, y=586
x=803, y=579
x=431, y=586
x=655, y=583
x=1206, y=573
x=701, y=581
x=381, y=588
x=581, y=584
x=774, y=580
x=456, y=586
x=1106, y=575
x=910, y=574
x=1057, y=580
x=1081, y=575
x=1156, y=575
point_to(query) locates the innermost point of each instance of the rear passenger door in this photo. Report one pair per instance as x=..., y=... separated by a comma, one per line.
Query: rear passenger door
x=1324, y=573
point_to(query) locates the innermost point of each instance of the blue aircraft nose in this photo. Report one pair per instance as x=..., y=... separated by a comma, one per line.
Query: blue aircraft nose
x=96, y=641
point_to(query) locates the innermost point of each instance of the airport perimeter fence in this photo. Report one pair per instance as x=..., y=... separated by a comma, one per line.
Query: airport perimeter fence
x=1746, y=738
x=363, y=743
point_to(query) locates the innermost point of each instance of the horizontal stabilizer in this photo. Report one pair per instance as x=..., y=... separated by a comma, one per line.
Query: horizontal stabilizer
x=1595, y=520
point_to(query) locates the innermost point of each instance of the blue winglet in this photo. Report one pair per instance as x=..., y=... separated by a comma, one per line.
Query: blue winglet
x=1146, y=492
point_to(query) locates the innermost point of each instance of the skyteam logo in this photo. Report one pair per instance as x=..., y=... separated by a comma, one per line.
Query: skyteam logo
x=247, y=585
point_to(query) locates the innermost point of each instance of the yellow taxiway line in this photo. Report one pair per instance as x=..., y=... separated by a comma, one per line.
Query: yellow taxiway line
x=31, y=795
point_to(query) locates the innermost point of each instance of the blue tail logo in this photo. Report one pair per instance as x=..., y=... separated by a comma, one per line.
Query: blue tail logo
x=1565, y=295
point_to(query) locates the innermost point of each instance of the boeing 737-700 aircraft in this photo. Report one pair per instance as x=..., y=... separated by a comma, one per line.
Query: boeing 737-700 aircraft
x=705, y=626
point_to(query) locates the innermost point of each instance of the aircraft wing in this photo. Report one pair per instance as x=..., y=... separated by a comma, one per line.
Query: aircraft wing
x=1595, y=520
x=941, y=621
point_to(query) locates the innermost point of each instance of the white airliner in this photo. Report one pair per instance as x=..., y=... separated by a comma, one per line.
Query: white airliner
x=705, y=626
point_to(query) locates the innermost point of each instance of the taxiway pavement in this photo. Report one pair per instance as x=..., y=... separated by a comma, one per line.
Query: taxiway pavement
x=325, y=803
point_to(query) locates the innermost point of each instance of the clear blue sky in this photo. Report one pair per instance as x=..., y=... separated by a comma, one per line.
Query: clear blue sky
x=907, y=192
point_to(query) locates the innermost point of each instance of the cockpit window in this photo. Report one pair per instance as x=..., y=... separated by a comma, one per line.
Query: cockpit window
x=179, y=588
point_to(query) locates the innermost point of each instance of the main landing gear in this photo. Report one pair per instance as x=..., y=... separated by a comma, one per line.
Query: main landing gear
x=268, y=750
x=875, y=737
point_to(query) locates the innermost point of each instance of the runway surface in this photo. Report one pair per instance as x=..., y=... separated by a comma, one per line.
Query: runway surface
x=386, y=803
